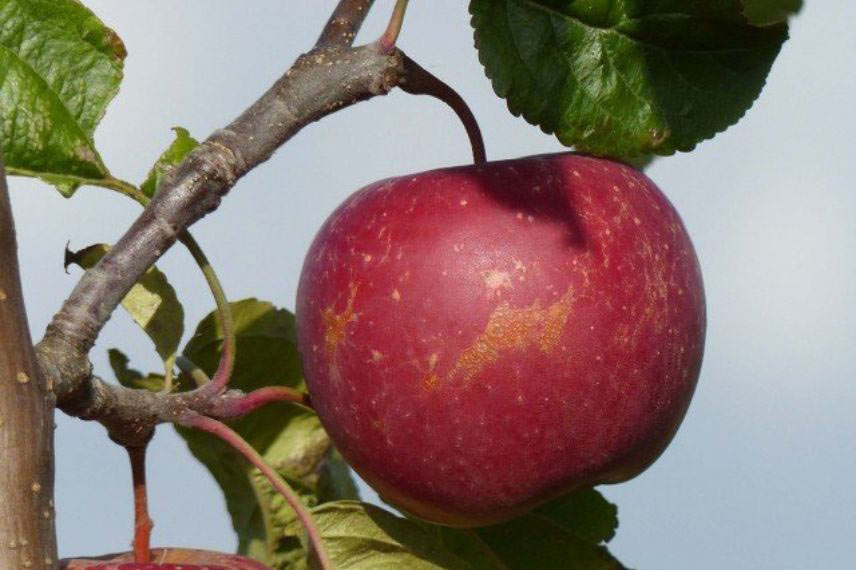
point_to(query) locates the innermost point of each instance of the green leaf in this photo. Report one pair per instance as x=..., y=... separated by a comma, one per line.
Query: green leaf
x=151, y=302
x=59, y=69
x=566, y=533
x=537, y=542
x=177, y=151
x=585, y=513
x=289, y=437
x=467, y=545
x=359, y=536
x=766, y=12
x=131, y=378
x=622, y=79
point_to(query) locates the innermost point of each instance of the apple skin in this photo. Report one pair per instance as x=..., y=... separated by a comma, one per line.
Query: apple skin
x=481, y=339
x=166, y=559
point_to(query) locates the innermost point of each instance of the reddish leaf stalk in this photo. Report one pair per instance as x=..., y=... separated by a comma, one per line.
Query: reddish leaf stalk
x=393, y=29
x=238, y=406
x=234, y=404
x=224, y=370
x=240, y=445
x=142, y=522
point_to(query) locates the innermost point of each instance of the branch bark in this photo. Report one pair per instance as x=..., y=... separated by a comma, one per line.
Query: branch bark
x=320, y=82
x=27, y=536
x=344, y=23
x=331, y=76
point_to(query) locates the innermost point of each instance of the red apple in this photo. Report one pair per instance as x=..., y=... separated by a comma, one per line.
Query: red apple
x=166, y=559
x=478, y=340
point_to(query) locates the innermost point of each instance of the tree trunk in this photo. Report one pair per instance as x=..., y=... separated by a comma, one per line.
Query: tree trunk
x=27, y=533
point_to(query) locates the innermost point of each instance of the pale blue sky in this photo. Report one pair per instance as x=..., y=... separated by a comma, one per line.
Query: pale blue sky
x=761, y=473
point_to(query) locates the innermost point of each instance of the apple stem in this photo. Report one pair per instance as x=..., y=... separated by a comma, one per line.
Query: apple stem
x=240, y=445
x=387, y=41
x=419, y=81
x=227, y=359
x=237, y=406
x=142, y=522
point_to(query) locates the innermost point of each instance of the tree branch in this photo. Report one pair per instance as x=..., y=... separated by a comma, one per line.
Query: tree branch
x=131, y=415
x=319, y=83
x=344, y=23
x=27, y=536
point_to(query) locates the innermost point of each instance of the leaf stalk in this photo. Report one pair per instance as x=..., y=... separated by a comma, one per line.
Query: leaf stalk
x=240, y=445
x=393, y=29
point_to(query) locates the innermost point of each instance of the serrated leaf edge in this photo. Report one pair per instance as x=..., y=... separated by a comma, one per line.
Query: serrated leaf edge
x=567, y=140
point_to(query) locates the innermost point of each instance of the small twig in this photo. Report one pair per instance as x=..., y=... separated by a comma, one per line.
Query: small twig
x=393, y=29
x=130, y=415
x=344, y=24
x=142, y=522
x=228, y=435
x=419, y=81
